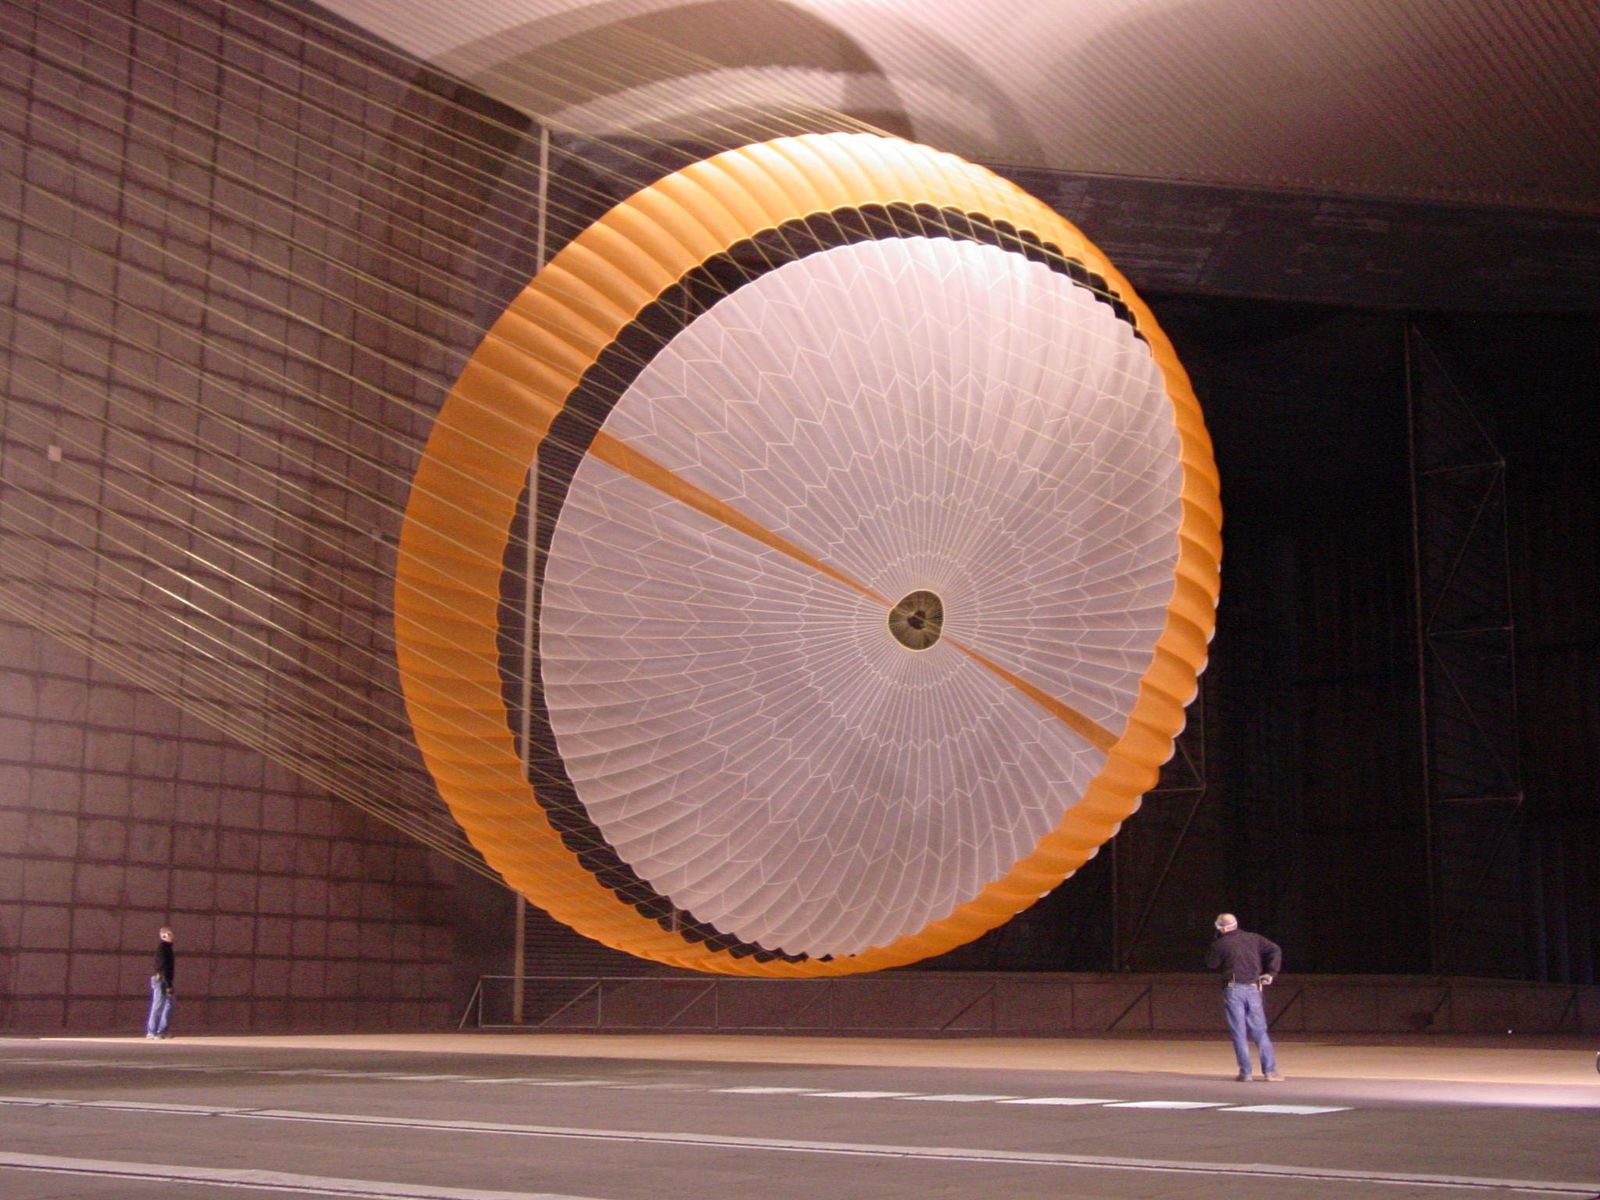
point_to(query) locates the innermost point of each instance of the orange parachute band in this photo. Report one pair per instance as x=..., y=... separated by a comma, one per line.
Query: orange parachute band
x=475, y=467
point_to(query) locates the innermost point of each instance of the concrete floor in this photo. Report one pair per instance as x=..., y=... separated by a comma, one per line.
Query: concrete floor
x=663, y=1117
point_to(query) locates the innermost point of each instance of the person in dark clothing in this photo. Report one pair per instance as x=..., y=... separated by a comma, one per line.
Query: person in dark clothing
x=1247, y=962
x=163, y=972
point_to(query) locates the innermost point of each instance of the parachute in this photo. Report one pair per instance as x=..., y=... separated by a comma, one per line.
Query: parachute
x=877, y=539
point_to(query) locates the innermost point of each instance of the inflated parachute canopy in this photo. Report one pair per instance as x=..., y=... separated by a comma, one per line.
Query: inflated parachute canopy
x=878, y=545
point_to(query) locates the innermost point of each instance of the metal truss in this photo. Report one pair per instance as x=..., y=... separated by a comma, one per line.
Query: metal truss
x=1466, y=671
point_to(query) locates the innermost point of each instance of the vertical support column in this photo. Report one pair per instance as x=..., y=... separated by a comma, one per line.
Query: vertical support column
x=1466, y=673
x=519, y=957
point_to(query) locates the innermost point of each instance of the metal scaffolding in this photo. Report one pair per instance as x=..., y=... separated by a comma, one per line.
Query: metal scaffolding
x=1466, y=673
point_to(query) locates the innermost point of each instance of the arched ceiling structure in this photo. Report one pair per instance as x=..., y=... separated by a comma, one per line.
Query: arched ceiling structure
x=1474, y=102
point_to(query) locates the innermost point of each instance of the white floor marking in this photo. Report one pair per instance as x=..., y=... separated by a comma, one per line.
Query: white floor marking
x=960, y=1098
x=147, y=1106
x=1296, y=1110
x=1586, y=1189
x=751, y=1090
x=290, y=1070
x=266, y=1181
x=862, y=1095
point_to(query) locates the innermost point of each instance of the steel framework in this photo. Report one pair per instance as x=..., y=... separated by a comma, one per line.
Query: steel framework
x=1466, y=674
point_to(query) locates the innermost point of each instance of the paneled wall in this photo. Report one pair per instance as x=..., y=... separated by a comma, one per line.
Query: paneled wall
x=119, y=814
x=242, y=254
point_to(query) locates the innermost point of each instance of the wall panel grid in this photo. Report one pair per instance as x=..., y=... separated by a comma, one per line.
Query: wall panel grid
x=217, y=360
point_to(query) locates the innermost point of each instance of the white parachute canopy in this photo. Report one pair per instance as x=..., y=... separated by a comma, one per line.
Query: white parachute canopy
x=931, y=417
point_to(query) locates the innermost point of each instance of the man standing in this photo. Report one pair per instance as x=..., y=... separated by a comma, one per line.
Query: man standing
x=1248, y=962
x=163, y=970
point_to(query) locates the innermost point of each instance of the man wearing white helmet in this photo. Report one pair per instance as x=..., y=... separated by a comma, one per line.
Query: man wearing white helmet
x=1248, y=962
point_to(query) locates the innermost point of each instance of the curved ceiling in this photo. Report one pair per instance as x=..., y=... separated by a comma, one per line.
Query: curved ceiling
x=1479, y=102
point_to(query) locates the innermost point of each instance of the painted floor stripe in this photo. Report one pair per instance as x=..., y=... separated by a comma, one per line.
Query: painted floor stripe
x=291, y=1071
x=147, y=1106
x=1587, y=1190
x=266, y=1181
x=959, y=1098
x=1289, y=1110
x=528, y=1081
x=862, y=1095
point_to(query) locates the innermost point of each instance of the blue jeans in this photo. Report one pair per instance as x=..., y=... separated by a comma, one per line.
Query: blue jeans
x=160, y=1008
x=1247, y=1022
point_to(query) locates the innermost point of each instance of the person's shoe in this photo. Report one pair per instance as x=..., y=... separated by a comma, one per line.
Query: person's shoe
x=1271, y=1077
x=1242, y=1077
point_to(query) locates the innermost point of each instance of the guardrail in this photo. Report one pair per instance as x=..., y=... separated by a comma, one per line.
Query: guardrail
x=950, y=1003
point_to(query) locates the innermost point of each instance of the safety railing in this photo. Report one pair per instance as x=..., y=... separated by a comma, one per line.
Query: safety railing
x=1056, y=1004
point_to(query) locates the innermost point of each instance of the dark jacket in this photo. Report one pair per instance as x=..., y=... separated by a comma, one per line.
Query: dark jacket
x=1243, y=957
x=165, y=964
